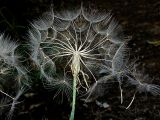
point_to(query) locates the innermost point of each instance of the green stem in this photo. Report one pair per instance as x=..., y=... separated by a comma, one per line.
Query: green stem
x=74, y=98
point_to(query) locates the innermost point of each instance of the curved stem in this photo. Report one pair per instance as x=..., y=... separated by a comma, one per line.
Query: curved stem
x=74, y=97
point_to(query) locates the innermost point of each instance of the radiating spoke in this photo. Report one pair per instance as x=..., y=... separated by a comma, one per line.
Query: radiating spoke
x=88, y=69
x=86, y=37
x=89, y=45
x=7, y=95
x=64, y=37
x=68, y=64
x=96, y=45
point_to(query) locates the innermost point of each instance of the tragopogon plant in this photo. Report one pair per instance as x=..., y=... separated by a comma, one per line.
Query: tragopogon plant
x=79, y=44
x=11, y=75
x=73, y=38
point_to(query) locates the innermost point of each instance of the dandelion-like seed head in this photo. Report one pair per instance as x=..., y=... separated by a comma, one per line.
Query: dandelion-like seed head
x=10, y=68
x=75, y=36
x=143, y=83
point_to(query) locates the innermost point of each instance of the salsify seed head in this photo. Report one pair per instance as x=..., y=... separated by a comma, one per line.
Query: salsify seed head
x=73, y=37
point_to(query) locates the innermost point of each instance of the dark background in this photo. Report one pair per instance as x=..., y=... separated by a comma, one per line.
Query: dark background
x=141, y=22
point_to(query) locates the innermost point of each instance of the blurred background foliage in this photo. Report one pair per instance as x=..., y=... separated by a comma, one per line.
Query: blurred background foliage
x=141, y=22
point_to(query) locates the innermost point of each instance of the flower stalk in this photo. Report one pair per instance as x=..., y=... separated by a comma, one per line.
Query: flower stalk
x=75, y=67
x=73, y=97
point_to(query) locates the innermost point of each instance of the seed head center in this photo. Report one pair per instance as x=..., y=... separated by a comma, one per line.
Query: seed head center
x=77, y=53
